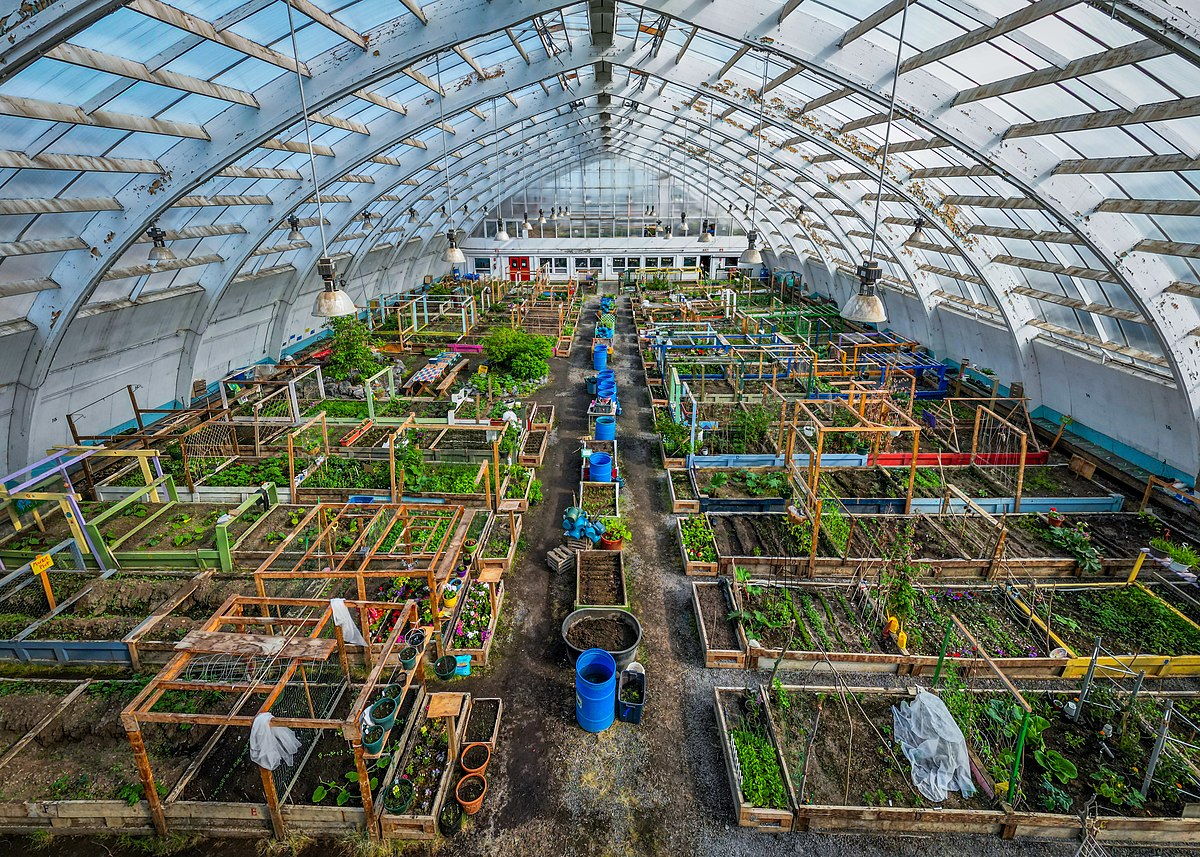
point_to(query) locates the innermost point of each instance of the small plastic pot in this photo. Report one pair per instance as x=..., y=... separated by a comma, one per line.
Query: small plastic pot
x=475, y=757
x=398, y=797
x=372, y=739
x=445, y=666
x=470, y=546
x=416, y=638
x=383, y=712
x=450, y=819
x=392, y=691
x=467, y=785
x=408, y=657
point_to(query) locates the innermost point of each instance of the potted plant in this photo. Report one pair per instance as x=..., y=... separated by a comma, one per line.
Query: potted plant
x=1160, y=548
x=392, y=691
x=470, y=792
x=475, y=757
x=398, y=797
x=450, y=592
x=1054, y=518
x=383, y=712
x=470, y=545
x=616, y=532
x=415, y=638
x=445, y=666
x=408, y=657
x=372, y=739
x=450, y=819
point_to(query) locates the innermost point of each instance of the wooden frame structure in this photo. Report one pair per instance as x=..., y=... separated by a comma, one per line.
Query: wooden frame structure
x=297, y=636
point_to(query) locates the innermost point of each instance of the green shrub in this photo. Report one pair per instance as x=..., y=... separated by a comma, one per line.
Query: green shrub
x=523, y=355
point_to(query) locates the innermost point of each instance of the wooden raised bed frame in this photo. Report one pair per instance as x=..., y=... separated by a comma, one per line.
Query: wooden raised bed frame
x=587, y=557
x=735, y=659
x=758, y=818
x=696, y=568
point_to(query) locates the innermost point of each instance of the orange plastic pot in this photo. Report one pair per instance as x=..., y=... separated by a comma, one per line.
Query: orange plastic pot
x=473, y=750
x=471, y=782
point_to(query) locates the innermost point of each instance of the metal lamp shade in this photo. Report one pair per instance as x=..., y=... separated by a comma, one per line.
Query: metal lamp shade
x=865, y=309
x=333, y=302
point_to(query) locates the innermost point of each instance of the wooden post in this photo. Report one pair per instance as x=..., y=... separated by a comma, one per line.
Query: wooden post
x=912, y=472
x=268, y=781
x=147, y=777
x=364, y=785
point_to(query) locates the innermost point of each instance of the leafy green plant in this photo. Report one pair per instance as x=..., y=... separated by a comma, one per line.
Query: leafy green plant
x=1077, y=541
x=1054, y=799
x=762, y=777
x=523, y=355
x=1182, y=554
x=351, y=351
x=698, y=539
x=617, y=528
x=1114, y=788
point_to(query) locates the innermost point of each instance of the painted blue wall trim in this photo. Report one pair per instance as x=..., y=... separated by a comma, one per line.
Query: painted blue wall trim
x=1141, y=459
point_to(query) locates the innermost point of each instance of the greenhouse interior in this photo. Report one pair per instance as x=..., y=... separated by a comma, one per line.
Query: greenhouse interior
x=714, y=428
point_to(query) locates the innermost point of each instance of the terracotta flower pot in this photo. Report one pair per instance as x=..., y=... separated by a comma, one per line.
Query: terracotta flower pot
x=610, y=544
x=475, y=757
x=467, y=786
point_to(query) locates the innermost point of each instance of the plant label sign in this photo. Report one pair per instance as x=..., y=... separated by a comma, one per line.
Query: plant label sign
x=42, y=563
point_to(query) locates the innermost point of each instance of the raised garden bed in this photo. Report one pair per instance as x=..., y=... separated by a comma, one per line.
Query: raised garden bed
x=600, y=498
x=498, y=551
x=426, y=763
x=600, y=579
x=474, y=623
x=518, y=489
x=483, y=722
x=762, y=797
x=724, y=642
x=697, y=545
x=683, y=496
x=533, y=450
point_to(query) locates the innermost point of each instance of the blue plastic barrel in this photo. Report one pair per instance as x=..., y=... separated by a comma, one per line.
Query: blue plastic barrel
x=590, y=381
x=610, y=374
x=600, y=357
x=606, y=428
x=600, y=467
x=606, y=388
x=595, y=689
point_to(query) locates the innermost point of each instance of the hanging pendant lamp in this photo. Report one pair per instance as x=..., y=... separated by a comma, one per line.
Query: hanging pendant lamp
x=866, y=307
x=294, y=233
x=501, y=232
x=752, y=255
x=331, y=301
x=453, y=255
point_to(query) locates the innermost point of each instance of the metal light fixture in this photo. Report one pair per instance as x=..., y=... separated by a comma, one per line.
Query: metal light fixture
x=453, y=255
x=918, y=234
x=666, y=233
x=751, y=255
x=160, y=252
x=705, y=235
x=412, y=214
x=501, y=232
x=525, y=224
x=442, y=209
x=866, y=307
x=331, y=301
x=541, y=217
x=367, y=217
x=683, y=224
x=295, y=234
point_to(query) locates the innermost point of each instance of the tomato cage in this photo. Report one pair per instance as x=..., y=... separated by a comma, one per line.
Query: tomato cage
x=363, y=551
x=267, y=680
x=996, y=721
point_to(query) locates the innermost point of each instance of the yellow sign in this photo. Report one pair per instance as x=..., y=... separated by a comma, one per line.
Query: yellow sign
x=42, y=562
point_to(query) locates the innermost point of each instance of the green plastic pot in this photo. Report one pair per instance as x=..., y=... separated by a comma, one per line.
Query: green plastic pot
x=445, y=666
x=398, y=797
x=383, y=712
x=372, y=739
x=408, y=657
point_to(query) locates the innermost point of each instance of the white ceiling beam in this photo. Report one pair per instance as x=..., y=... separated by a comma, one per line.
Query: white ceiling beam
x=329, y=22
x=99, y=61
x=149, y=268
x=884, y=13
x=30, y=108
x=1056, y=268
x=44, y=245
x=1014, y=21
x=1179, y=108
x=205, y=30
x=77, y=163
x=381, y=101
x=297, y=146
x=58, y=205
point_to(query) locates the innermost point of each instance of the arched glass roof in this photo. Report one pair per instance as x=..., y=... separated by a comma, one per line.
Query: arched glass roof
x=1051, y=148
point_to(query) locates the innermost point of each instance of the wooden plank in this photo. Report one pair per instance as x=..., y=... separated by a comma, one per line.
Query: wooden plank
x=255, y=645
x=31, y=108
x=446, y=704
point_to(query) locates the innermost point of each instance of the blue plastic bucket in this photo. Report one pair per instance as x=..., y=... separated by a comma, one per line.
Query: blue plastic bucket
x=591, y=384
x=600, y=467
x=600, y=357
x=606, y=428
x=595, y=690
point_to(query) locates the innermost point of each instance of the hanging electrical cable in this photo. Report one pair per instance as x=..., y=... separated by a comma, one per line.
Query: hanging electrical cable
x=752, y=255
x=866, y=306
x=501, y=232
x=706, y=233
x=452, y=255
x=331, y=301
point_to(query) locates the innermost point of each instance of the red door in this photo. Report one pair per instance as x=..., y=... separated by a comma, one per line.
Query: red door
x=518, y=269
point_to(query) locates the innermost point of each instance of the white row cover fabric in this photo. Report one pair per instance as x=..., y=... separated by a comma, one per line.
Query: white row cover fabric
x=270, y=745
x=935, y=746
x=343, y=619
